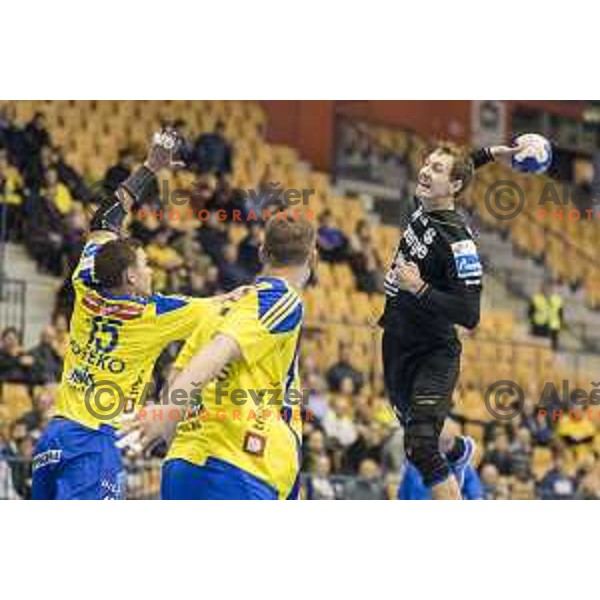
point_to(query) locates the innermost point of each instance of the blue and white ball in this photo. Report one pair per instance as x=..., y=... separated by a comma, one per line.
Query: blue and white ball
x=536, y=155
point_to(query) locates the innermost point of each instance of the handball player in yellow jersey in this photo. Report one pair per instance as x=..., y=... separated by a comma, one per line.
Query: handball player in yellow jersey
x=117, y=331
x=236, y=429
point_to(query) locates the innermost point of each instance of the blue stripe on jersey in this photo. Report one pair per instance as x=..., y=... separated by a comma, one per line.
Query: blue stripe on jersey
x=166, y=304
x=291, y=321
x=86, y=273
x=268, y=297
x=90, y=249
x=86, y=276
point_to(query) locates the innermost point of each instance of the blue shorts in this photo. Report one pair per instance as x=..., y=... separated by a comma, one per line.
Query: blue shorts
x=215, y=480
x=74, y=462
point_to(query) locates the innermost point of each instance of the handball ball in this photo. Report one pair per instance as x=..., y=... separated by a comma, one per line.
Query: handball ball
x=536, y=155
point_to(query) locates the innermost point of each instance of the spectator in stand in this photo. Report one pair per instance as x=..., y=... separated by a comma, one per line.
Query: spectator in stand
x=522, y=451
x=193, y=284
x=499, y=454
x=363, y=408
x=213, y=151
x=318, y=401
x=365, y=260
x=46, y=229
x=15, y=364
x=213, y=235
x=361, y=235
x=17, y=451
x=343, y=369
x=313, y=446
x=537, y=422
x=393, y=456
x=74, y=237
x=369, y=485
x=7, y=487
x=164, y=259
x=227, y=200
x=120, y=171
x=248, y=252
x=57, y=192
x=35, y=175
x=232, y=273
x=42, y=406
x=12, y=138
x=332, y=243
x=523, y=488
x=212, y=283
x=21, y=466
x=145, y=227
x=588, y=482
x=546, y=314
x=489, y=481
x=11, y=197
x=36, y=137
x=189, y=248
x=318, y=485
x=368, y=445
x=66, y=173
x=47, y=361
x=503, y=489
x=338, y=423
x=558, y=484
x=203, y=193
x=61, y=329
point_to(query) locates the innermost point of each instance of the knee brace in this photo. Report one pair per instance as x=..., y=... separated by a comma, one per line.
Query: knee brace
x=422, y=449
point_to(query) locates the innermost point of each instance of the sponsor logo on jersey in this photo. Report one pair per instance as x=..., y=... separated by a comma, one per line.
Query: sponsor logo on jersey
x=466, y=259
x=124, y=311
x=50, y=457
x=254, y=444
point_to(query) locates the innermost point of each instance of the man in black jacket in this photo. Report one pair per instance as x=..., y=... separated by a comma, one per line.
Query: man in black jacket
x=434, y=283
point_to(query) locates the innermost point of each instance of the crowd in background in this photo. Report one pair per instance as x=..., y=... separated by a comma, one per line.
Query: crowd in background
x=47, y=206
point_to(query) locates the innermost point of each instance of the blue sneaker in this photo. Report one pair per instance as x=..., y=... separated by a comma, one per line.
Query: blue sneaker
x=458, y=466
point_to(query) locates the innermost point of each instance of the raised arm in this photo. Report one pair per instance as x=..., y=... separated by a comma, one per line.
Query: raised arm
x=111, y=214
x=483, y=156
x=151, y=423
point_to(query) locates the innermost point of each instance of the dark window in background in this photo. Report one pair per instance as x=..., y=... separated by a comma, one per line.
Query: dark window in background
x=527, y=120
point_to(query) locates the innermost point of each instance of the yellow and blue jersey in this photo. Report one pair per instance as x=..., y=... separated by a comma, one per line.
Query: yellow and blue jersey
x=250, y=416
x=114, y=343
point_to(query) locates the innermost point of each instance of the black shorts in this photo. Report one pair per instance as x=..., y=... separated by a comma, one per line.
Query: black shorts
x=426, y=374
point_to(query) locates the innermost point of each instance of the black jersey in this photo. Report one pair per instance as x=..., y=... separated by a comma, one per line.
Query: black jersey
x=442, y=246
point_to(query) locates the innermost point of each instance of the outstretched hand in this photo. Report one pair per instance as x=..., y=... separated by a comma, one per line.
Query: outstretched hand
x=141, y=430
x=164, y=149
x=505, y=153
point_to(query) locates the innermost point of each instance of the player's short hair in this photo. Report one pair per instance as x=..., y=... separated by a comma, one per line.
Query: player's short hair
x=288, y=241
x=462, y=167
x=112, y=260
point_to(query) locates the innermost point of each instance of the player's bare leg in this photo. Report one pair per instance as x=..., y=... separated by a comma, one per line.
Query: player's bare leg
x=447, y=490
